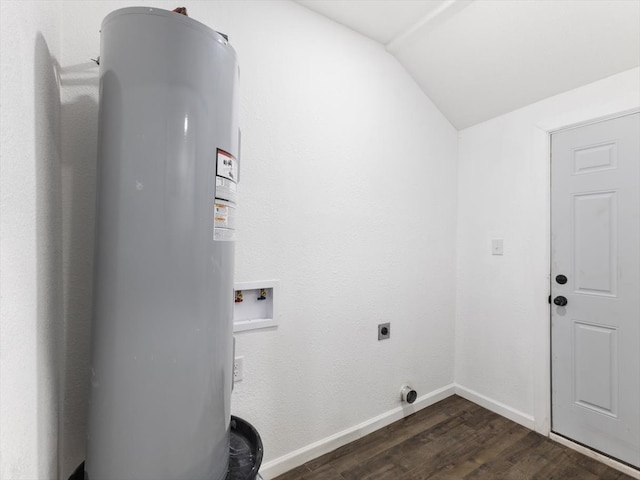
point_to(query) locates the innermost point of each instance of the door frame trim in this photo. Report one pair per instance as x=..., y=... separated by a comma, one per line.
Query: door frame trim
x=624, y=113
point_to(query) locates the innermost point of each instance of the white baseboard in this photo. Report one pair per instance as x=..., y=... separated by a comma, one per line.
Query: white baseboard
x=632, y=472
x=496, y=407
x=298, y=457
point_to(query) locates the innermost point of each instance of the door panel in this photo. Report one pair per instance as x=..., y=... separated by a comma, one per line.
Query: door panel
x=595, y=364
x=595, y=234
x=595, y=158
x=595, y=231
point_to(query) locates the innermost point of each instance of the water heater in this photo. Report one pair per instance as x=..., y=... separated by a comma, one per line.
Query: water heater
x=161, y=361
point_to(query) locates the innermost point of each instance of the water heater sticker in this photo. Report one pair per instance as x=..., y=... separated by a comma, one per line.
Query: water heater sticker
x=226, y=190
x=226, y=166
x=224, y=220
x=224, y=228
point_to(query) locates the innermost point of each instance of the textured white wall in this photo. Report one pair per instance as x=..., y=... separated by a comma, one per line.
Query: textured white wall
x=30, y=232
x=502, y=318
x=347, y=196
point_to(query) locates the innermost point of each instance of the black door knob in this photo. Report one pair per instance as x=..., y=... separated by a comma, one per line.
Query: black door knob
x=560, y=301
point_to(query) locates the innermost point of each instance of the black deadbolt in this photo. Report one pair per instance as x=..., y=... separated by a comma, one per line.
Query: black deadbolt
x=384, y=330
x=561, y=279
x=560, y=301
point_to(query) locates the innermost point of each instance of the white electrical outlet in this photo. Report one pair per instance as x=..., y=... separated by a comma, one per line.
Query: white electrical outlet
x=497, y=246
x=238, y=369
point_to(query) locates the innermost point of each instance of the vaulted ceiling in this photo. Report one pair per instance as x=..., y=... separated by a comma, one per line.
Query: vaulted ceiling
x=477, y=59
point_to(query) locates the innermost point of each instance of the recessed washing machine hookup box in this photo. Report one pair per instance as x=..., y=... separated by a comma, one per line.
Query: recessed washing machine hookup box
x=255, y=305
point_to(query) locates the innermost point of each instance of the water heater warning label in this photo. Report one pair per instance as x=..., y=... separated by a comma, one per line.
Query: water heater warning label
x=226, y=166
x=226, y=189
x=224, y=220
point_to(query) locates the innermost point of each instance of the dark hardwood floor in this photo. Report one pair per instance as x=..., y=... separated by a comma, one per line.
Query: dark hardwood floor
x=453, y=439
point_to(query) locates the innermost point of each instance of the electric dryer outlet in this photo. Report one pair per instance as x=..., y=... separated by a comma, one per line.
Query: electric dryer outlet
x=384, y=331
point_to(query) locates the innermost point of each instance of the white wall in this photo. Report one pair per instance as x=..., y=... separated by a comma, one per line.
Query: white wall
x=347, y=196
x=502, y=318
x=30, y=233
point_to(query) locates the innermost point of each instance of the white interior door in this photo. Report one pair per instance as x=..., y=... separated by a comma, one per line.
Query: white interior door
x=595, y=336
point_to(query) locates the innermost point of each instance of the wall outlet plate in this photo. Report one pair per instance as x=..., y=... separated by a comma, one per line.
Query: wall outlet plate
x=497, y=246
x=384, y=331
x=238, y=369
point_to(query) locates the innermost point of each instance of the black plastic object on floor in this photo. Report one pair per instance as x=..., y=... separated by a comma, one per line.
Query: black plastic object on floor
x=245, y=453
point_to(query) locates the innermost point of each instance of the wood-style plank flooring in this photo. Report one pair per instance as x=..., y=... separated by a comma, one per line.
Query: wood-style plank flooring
x=454, y=440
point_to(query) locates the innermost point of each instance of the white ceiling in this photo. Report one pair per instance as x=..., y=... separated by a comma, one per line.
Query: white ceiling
x=477, y=59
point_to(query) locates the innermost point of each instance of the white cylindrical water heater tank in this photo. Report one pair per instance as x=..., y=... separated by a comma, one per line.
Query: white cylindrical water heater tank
x=161, y=361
